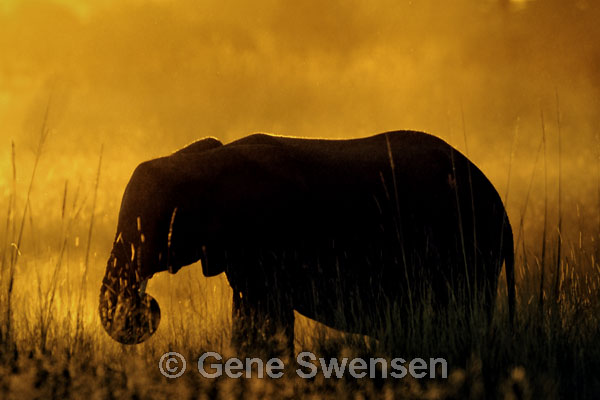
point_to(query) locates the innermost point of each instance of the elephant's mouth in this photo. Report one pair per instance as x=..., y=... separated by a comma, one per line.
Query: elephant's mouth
x=128, y=319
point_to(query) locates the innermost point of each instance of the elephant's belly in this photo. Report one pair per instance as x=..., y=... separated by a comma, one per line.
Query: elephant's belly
x=353, y=305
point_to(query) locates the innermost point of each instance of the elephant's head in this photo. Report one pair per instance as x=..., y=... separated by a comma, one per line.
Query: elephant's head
x=127, y=312
x=157, y=231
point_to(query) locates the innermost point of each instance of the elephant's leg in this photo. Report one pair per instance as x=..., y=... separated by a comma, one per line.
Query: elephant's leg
x=262, y=324
x=278, y=328
x=489, y=300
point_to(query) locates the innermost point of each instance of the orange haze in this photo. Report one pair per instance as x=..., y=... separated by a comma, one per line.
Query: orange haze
x=147, y=77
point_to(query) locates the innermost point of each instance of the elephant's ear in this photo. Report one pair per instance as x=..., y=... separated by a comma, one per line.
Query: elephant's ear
x=200, y=146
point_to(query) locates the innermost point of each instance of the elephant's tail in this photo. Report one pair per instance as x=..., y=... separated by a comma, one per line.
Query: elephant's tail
x=509, y=263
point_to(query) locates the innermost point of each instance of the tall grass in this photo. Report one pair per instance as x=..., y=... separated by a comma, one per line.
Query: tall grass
x=557, y=274
x=78, y=319
x=13, y=246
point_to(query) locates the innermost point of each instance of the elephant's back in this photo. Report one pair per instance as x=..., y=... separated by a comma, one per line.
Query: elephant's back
x=373, y=147
x=380, y=152
x=420, y=166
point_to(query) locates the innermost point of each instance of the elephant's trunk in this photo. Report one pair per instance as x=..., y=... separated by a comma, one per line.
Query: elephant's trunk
x=129, y=315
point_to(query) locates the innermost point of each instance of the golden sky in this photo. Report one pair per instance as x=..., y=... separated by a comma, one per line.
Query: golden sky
x=147, y=77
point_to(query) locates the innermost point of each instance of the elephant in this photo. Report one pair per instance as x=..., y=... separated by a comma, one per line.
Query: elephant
x=338, y=230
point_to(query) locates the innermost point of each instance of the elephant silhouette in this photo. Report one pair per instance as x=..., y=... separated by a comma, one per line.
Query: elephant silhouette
x=338, y=230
